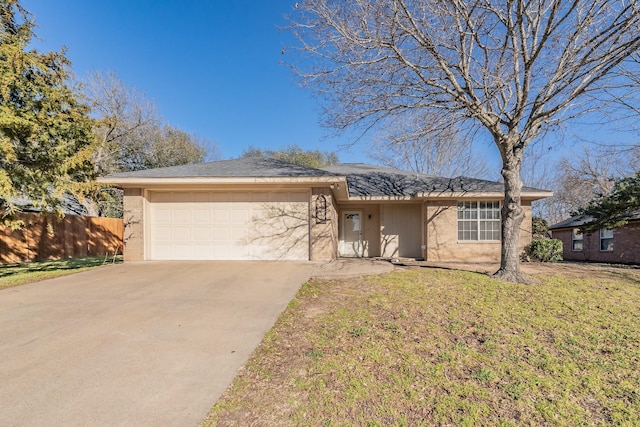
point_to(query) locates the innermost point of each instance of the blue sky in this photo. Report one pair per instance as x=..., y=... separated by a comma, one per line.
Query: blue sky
x=212, y=67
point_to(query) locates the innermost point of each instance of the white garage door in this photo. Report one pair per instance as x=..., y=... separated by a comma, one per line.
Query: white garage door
x=229, y=226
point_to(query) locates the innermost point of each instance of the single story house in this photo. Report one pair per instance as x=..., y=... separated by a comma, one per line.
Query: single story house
x=620, y=245
x=266, y=209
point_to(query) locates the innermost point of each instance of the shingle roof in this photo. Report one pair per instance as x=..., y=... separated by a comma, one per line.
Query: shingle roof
x=363, y=180
x=242, y=167
x=69, y=205
x=573, y=222
x=375, y=181
x=580, y=220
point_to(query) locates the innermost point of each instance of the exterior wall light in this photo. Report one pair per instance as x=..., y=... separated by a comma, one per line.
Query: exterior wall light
x=322, y=208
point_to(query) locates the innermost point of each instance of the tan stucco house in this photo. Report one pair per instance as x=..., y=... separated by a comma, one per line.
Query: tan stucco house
x=265, y=209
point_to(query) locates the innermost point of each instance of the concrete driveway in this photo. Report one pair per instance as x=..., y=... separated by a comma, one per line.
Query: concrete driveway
x=144, y=344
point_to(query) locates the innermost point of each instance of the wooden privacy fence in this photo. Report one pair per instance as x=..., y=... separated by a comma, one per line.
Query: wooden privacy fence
x=49, y=237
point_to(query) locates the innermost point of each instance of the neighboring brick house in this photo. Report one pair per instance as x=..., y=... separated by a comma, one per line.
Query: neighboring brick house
x=620, y=245
x=268, y=209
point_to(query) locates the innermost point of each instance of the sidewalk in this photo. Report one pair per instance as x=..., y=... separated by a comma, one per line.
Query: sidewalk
x=351, y=267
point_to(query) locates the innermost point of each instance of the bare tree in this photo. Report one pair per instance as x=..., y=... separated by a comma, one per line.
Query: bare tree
x=124, y=117
x=540, y=171
x=584, y=176
x=514, y=68
x=430, y=145
x=132, y=136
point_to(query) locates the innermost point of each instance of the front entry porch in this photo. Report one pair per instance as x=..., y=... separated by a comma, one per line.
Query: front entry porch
x=387, y=230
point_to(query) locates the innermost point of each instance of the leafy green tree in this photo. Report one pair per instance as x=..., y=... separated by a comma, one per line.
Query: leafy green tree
x=540, y=227
x=131, y=136
x=616, y=208
x=46, y=137
x=173, y=147
x=545, y=250
x=295, y=154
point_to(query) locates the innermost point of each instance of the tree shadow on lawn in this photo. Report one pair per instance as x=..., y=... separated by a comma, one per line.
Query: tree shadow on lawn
x=55, y=265
x=571, y=269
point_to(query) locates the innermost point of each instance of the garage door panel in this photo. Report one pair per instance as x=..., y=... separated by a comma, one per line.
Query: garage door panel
x=163, y=251
x=239, y=234
x=219, y=252
x=202, y=234
x=280, y=230
x=181, y=234
x=181, y=216
x=201, y=252
x=201, y=216
x=182, y=251
x=229, y=225
x=240, y=216
x=163, y=215
x=221, y=214
x=163, y=233
x=220, y=234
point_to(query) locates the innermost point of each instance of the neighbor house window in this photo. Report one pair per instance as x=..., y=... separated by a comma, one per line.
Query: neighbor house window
x=576, y=240
x=606, y=240
x=479, y=220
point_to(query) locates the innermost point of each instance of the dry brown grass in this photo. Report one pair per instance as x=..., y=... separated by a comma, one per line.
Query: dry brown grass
x=446, y=347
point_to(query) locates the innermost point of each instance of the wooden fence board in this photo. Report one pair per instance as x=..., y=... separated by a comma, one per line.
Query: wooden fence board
x=48, y=237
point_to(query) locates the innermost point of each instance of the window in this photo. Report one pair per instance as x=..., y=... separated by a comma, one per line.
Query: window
x=576, y=240
x=479, y=220
x=606, y=240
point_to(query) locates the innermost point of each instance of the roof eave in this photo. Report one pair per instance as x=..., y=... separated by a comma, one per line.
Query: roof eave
x=573, y=225
x=375, y=198
x=534, y=195
x=136, y=182
x=529, y=196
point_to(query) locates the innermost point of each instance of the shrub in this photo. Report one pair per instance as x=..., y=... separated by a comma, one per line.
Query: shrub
x=545, y=250
x=540, y=228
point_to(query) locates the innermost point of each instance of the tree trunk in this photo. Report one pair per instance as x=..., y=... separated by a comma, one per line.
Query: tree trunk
x=512, y=217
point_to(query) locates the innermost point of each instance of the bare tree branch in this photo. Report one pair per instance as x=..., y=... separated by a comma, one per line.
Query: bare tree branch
x=428, y=144
x=516, y=68
x=132, y=137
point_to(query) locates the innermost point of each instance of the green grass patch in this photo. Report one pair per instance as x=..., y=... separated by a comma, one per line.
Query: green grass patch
x=439, y=347
x=20, y=274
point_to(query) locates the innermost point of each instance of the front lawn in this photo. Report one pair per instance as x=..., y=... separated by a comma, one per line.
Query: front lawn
x=23, y=273
x=438, y=347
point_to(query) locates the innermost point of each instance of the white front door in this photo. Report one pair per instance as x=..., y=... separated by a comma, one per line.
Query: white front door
x=351, y=238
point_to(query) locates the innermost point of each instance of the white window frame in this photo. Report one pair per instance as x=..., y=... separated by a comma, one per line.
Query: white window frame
x=577, y=236
x=606, y=234
x=479, y=219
